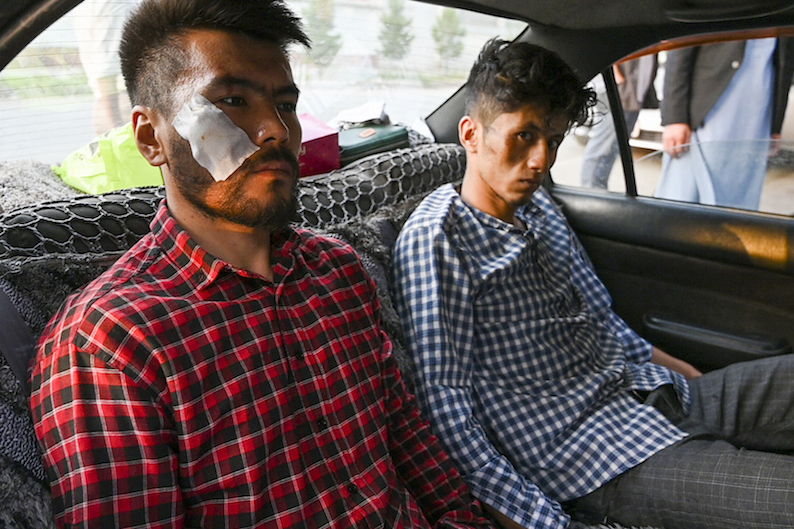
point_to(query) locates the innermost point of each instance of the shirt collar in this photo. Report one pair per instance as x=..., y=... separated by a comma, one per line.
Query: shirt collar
x=203, y=268
x=531, y=213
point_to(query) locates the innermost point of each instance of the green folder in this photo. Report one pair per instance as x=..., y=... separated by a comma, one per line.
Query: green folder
x=359, y=142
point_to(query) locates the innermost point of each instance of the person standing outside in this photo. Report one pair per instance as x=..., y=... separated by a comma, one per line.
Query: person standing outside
x=721, y=105
x=634, y=79
x=98, y=25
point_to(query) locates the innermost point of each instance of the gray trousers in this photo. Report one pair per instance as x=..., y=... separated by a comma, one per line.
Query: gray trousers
x=736, y=470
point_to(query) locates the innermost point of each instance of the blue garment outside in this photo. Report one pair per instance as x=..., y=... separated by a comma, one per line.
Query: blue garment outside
x=727, y=158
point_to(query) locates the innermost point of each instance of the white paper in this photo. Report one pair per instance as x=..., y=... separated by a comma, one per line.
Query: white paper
x=372, y=111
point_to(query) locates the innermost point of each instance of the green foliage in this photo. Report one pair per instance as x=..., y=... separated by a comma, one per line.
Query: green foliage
x=44, y=72
x=26, y=87
x=395, y=35
x=319, y=26
x=448, y=34
x=452, y=80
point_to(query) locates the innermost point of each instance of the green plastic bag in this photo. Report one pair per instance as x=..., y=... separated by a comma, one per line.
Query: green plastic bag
x=110, y=162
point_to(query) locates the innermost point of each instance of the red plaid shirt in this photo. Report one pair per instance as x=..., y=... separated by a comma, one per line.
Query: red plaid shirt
x=178, y=391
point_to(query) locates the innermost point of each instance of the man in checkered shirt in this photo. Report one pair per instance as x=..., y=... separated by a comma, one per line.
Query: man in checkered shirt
x=546, y=400
x=230, y=370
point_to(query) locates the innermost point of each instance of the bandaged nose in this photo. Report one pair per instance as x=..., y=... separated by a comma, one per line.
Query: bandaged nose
x=217, y=144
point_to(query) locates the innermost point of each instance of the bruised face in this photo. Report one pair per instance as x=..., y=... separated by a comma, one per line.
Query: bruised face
x=509, y=157
x=232, y=200
x=251, y=83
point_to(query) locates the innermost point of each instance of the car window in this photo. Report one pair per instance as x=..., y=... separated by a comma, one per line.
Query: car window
x=402, y=57
x=722, y=109
x=590, y=155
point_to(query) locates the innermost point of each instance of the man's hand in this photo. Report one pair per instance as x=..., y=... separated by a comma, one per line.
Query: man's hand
x=503, y=520
x=774, y=144
x=679, y=366
x=675, y=138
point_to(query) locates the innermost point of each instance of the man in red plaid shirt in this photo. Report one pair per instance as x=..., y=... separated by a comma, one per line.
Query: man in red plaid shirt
x=230, y=370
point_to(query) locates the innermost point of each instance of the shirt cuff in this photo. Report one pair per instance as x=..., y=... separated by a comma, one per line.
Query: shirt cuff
x=514, y=496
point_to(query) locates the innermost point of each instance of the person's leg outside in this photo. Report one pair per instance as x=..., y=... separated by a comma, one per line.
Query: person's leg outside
x=600, y=153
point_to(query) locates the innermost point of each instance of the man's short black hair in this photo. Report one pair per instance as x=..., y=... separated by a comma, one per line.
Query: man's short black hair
x=151, y=52
x=507, y=76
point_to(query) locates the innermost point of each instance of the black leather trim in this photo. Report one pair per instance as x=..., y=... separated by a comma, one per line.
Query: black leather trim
x=16, y=342
x=720, y=234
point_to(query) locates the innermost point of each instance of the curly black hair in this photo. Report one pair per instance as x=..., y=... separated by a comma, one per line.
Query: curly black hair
x=151, y=52
x=509, y=75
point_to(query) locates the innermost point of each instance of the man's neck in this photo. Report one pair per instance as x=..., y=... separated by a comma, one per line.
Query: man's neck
x=240, y=246
x=477, y=196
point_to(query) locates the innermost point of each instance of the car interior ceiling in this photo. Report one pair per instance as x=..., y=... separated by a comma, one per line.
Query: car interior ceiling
x=590, y=14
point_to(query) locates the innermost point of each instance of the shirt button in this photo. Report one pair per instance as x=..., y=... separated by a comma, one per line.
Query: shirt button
x=352, y=488
x=735, y=65
x=299, y=354
x=322, y=423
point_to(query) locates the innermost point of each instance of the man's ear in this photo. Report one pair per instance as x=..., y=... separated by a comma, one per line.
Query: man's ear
x=467, y=133
x=148, y=140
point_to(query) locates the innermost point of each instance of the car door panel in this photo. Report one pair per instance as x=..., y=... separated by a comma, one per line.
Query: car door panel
x=709, y=285
x=706, y=347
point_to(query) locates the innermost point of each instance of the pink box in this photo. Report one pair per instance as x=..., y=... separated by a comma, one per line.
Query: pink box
x=320, y=148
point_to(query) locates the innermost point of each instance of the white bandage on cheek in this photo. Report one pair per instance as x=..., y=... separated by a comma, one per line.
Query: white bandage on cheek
x=217, y=144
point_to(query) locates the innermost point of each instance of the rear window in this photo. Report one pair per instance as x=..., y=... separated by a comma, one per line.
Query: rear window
x=65, y=88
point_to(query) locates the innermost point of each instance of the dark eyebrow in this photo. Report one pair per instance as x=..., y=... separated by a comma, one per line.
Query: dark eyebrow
x=546, y=128
x=242, y=82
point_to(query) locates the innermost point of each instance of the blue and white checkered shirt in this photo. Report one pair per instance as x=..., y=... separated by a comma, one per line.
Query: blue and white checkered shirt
x=523, y=368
